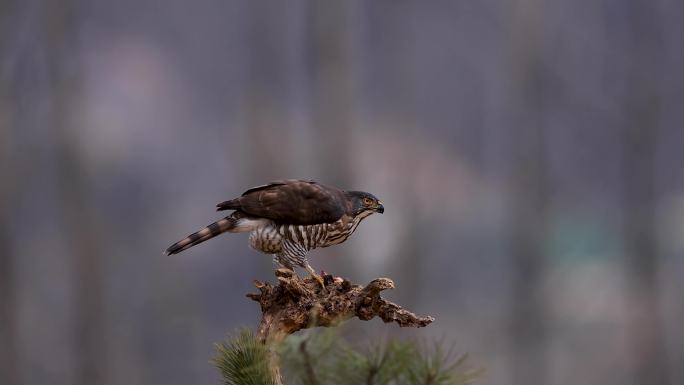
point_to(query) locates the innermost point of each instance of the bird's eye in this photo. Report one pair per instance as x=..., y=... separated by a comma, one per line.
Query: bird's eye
x=367, y=201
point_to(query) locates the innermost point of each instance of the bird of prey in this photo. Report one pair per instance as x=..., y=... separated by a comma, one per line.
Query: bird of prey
x=288, y=218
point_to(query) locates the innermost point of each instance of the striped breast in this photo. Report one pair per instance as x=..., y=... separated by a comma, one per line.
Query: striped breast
x=268, y=238
x=341, y=230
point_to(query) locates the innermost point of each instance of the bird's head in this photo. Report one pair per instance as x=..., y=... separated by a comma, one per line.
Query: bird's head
x=365, y=203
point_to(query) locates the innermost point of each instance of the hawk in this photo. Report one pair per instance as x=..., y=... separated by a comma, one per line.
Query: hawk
x=288, y=218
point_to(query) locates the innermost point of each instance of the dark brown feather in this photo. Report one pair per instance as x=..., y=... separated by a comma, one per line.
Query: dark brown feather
x=299, y=202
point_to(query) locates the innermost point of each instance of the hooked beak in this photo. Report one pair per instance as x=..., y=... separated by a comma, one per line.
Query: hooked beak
x=380, y=208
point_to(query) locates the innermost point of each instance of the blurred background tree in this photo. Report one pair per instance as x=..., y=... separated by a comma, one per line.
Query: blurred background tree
x=528, y=154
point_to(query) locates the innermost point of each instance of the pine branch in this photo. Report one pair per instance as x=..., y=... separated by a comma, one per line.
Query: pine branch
x=298, y=303
x=321, y=357
x=332, y=360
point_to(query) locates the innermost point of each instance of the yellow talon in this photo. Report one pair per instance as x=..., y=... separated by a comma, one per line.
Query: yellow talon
x=320, y=280
x=316, y=276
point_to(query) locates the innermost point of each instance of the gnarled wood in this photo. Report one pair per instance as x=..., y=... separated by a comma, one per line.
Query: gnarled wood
x=298, y=303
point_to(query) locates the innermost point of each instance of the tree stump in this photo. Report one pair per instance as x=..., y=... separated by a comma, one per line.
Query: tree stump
x=298, y=303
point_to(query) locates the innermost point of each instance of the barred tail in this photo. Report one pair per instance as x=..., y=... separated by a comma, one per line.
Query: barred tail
x=214, y=229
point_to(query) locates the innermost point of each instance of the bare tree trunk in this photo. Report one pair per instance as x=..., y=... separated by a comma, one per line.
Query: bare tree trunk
x=528, y=329
x=649, y=363
x=8, y=347
x=88, y=318
x=528, y=187
x=265, y=116
x=9, y=373
x=333, y=88
x=642, y=257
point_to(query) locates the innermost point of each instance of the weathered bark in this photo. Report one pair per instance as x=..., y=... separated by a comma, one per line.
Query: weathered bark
x=298, y=303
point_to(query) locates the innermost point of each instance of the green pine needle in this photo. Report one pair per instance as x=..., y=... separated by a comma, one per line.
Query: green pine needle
x=244, y=360
x=322, y=357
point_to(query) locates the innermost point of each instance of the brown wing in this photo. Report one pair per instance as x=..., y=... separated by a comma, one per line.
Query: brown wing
x=299, y=202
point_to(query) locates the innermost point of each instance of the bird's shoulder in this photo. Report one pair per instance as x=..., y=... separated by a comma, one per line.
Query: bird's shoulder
x=280, y=182
x=295, y=201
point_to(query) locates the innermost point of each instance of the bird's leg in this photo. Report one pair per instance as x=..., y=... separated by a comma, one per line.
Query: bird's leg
x=314, y=275
x=280, y=263
x=295, y=254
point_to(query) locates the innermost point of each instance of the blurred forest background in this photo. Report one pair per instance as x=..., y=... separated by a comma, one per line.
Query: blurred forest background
x=529, y=155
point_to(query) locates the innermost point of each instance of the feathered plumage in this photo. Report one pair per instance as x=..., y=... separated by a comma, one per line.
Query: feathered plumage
x=288, y=218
